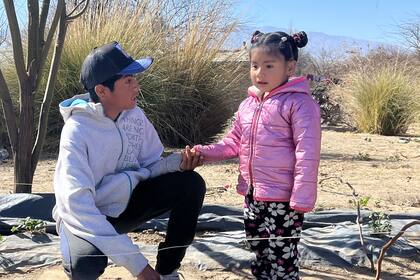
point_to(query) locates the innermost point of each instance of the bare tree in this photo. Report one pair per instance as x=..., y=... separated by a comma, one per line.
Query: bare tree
x=327, y=63
x=20, y=122
x=410, y=33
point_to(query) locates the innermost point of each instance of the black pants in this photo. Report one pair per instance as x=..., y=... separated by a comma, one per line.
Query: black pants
x=181, y=193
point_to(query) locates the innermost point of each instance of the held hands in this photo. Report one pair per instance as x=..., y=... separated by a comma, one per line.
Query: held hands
x=190, y=159
x=148, y=273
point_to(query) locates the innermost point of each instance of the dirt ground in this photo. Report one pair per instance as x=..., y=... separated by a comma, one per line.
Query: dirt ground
x=383, y=169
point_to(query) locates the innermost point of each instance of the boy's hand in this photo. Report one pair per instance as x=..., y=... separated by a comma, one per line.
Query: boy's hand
x=190, y=159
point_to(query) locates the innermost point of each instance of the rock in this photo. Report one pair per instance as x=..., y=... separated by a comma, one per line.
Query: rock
x=4, y=154
x=404, y=140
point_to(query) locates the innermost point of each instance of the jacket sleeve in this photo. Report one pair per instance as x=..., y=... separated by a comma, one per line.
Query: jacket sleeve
x=165, y=165
x=306, y=128
x=74, y=187
x=227, y=148
x=113, y=203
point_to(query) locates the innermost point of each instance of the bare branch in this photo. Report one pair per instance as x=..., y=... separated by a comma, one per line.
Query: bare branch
x=16, y=40
x=389, y=244
x=49, y=91
x=359, y=218
x=9, y=112
x=42, y=23
x=3, y=28
x=70, y=17
x=408, y=32
x=75, y=8
x=50, y=36
x=33, y=37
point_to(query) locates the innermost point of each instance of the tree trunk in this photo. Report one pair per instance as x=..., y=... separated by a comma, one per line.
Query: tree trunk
x=23, y=152
x=21, y=132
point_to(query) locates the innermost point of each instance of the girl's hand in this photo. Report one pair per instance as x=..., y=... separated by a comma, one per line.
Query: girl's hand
x=190, y=159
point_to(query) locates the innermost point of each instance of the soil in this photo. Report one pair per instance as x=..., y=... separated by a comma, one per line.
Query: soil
x=384, y=170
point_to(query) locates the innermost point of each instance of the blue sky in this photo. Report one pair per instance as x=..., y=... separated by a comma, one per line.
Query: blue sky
x=373, y=20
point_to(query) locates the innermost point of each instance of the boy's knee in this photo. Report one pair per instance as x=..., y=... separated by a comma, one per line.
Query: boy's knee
x=196, y=183
x=87, y=268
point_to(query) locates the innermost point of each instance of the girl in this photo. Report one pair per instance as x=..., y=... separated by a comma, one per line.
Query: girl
x=276, y=135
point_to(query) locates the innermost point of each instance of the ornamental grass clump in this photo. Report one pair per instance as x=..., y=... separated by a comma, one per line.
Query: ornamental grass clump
x=186, y=94
x=381, y=100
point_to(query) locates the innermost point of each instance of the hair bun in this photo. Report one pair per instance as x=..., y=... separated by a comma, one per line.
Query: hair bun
x=255, y=36
x=300, y=38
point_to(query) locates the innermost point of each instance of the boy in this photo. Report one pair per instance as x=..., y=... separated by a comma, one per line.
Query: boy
x=110, y=176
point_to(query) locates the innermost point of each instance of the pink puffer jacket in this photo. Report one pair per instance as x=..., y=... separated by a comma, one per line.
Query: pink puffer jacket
x=278, y=143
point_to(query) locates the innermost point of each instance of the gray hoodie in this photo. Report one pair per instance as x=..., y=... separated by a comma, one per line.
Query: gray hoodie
x=99, y=165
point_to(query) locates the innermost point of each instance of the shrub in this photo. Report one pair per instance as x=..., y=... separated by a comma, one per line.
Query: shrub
x=9, y=73
x=187, y=95
x=381, y=99
x=331, y=112
x=379, y=224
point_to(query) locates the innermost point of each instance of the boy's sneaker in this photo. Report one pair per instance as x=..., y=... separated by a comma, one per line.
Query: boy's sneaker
x=173, y=276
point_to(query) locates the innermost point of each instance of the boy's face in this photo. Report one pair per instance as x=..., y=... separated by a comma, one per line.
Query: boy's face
x=123, y=97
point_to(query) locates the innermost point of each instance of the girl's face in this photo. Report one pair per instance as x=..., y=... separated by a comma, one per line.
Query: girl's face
x=269, y=71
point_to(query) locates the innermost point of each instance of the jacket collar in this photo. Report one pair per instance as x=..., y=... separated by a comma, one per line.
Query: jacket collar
x=295, y=84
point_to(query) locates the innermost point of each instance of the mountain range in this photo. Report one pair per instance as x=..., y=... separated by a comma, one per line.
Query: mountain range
x=318, y=42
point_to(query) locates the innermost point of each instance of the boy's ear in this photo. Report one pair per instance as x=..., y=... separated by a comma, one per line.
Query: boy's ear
x=101, y=91
x=291, y=67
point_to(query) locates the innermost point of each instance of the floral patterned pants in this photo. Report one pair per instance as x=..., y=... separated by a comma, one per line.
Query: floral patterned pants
x=276, y=258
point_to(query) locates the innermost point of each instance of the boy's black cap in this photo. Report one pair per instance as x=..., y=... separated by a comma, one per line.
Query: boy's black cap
x=107, y=61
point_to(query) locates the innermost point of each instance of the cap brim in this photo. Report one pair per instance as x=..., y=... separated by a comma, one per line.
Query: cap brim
x=137, y=66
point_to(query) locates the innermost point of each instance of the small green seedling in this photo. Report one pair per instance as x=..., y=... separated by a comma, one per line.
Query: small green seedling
x=30, y=225
x=362, y=156
x=379, y=224
x=394, y=158
x=363, y=201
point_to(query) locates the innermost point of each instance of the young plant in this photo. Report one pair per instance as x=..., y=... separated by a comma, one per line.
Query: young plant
x=393, y=158
x=357, y=201
x=362, y=156
x=30, y=225
x=379, y=224
x=363, y=201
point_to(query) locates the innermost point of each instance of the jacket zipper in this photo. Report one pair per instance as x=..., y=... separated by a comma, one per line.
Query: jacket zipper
x=122, y=142
x=255, y=118
x=122, y=150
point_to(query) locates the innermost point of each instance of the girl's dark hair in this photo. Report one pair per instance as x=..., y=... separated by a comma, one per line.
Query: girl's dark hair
x=108, y=83
x=280, y=43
